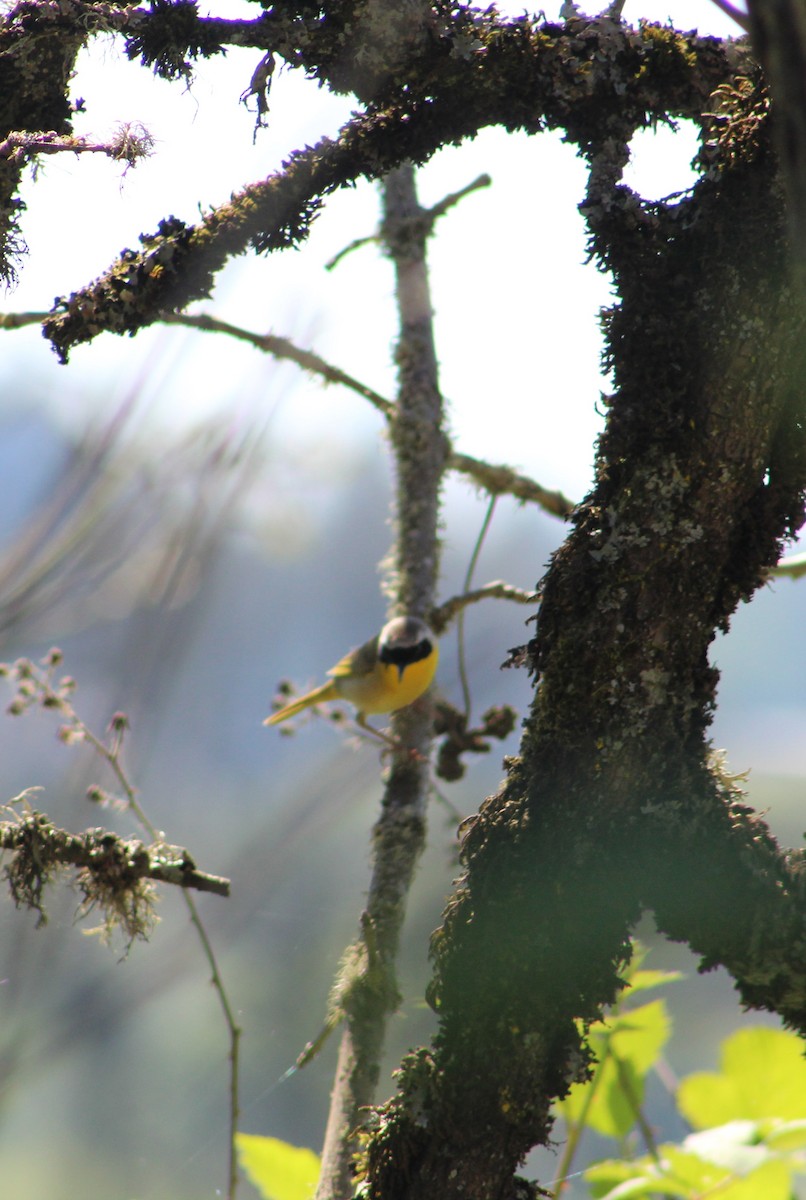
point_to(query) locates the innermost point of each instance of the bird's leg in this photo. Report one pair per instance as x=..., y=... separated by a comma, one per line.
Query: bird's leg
x=361, y=720
x=392, y=742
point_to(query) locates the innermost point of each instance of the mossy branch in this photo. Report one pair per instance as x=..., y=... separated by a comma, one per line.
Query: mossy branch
x=129, y=145
x=512, y=79
x=367, y=991
x=114, y=873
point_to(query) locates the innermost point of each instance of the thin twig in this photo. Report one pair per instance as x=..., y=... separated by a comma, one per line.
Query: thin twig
x=497, y=480
x=735, y=14
x=453, y=198
x=235, y=1031
x=439, y=618
x=18, y=320
x=426, y=215
x=460, y=616
x=792, y=567
x=281, y=347
x=503, y=480
x=355, y=244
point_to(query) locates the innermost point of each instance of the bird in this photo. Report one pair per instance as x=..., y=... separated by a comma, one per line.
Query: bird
x=388, y=672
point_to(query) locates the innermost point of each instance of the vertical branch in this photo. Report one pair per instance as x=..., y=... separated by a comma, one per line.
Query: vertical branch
x=420, y=450
x=416, y=426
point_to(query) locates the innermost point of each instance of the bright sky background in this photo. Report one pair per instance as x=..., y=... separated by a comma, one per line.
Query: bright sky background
x=516, y=309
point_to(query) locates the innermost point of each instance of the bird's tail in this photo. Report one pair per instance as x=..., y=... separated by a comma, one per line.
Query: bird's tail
x=326, y=692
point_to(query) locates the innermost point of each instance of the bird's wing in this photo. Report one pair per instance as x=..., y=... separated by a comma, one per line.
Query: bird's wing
x=358, y=662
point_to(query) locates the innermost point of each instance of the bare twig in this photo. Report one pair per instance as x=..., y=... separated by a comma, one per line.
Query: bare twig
x=453, y=198
x=427, y=215
x=234, y=1031
x=498, y=480
x=440, y=617
x=503, y=480
x=460, y=612
x=281, y=347
x=355, y=244
x=792, y=567
x=19, y=320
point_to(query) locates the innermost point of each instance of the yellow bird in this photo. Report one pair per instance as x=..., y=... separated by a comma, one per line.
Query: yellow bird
x=385, y=674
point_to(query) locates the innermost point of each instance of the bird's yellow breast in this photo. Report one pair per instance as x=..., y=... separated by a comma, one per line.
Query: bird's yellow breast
x=386, y=688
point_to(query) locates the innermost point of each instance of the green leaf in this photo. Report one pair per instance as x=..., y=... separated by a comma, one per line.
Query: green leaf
x=641, y=981
x=639, y=1034
x=736, y=1146
x=627, y=1045
x=683, y=1174
x=691, y=1171
x=773, y=1181
x=278, y=1170
x=763, y=1076
x=784, y=1136
x=617, y=1180
x=648, y=1187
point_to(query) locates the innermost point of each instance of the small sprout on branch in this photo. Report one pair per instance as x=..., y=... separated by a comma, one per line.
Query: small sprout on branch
x=69, y=735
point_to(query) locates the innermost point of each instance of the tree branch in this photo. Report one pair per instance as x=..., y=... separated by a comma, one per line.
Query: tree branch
x=497, y=480
x=792, y=567
x=614, y=804
x=440, y=617
x=502, y=480
x=510, y=80
x=129, y=144
x=113, y=871
x=370, y=995
x=281, y=348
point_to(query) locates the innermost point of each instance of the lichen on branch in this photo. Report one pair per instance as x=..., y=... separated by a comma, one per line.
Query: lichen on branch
x=521, y=75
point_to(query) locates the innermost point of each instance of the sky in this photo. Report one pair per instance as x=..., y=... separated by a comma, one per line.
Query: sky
x=516, y=308
x=516, y=313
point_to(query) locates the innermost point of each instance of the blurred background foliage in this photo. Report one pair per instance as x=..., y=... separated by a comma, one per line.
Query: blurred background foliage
x=174, y=600
x=190, y=525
